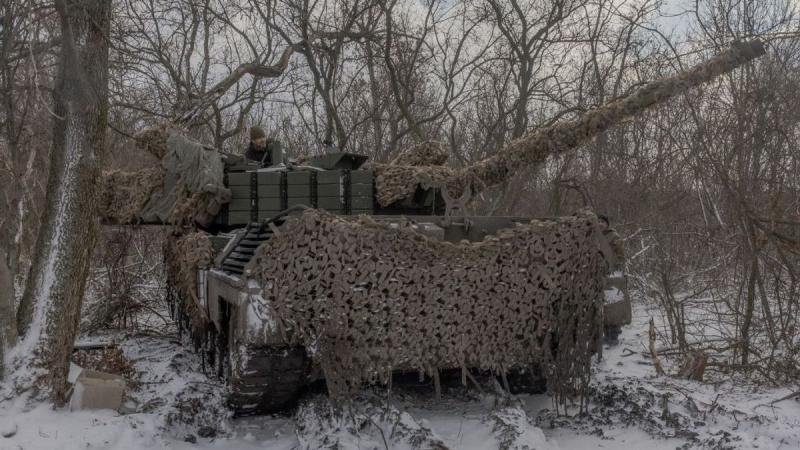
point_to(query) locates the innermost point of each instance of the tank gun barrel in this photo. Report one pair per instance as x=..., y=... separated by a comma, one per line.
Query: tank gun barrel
x=395, y=182
x=535, y=147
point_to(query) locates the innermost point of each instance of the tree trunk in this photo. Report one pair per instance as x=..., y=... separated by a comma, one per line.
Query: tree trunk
x=749, y=307
x=49, y=314
x=8, y=328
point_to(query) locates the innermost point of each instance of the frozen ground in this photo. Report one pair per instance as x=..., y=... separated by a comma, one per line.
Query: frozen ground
x=630, y=408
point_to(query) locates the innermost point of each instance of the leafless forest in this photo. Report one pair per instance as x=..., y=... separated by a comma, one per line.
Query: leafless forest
x=704, y=190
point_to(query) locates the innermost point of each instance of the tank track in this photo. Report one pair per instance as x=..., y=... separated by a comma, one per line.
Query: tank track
x=269, y=381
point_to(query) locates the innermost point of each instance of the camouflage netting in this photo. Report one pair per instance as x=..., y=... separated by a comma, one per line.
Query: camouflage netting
x=124, y=194
x=153, y=140
x=396, y=182
x=430, y=153
x=183, y=256
x=365, y=298
x=187, y=187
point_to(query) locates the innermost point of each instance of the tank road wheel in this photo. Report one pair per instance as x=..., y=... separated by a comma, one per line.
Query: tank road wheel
x=267, y=379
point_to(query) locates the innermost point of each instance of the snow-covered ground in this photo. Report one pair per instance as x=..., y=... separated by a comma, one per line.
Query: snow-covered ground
x=630, y=408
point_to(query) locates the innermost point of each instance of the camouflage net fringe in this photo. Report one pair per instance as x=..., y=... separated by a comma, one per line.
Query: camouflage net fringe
x=124, y=194
x=395, y=183
x=153, y=140
x=429, y=153
x=183, y=256
x=365, y=299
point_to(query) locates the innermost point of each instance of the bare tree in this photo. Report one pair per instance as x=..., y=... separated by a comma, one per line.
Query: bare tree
x=8, y=327
x=198, y=63
x=25, y=52
x=49, y=314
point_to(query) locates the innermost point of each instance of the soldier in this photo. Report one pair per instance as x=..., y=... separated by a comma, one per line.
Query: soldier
x=614, y=241
x=258, y=150
x=330, y=147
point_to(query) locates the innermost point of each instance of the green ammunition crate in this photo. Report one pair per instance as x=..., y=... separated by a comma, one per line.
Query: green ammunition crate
x=339, y=191
x=359, y=203
x=240, y=204
x=331, y=204
x=298, y=184
x=299, y=200
x=238, y=217
x=361, y=190
x=269, y=178
x=240, y=191
x=361, y=177
x=269, y=190
x=238, y=179
x=269, y=203
x=329, y=177
x=329, y=190
x=267, y=214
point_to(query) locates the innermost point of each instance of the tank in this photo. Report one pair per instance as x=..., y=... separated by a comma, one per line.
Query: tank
x=267, y=366
x=335, y=269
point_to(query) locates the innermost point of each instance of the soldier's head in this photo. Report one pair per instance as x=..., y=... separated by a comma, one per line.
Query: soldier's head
x=604, y=220
x=258, y=137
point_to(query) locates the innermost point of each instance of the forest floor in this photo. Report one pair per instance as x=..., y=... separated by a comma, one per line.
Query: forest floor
x=175, y=406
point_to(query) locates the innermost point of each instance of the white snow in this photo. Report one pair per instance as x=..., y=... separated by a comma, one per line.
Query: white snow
x=260, y=319
x=613, y=295
x=44, y=428
x=733, y=410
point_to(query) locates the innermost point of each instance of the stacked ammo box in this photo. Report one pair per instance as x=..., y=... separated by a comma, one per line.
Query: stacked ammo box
x=260, y=195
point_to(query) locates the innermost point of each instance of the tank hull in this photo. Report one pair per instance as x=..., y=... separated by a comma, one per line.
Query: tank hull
x=268, y=365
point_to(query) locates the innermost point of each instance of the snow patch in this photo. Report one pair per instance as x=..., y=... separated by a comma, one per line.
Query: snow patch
x=260, y=317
